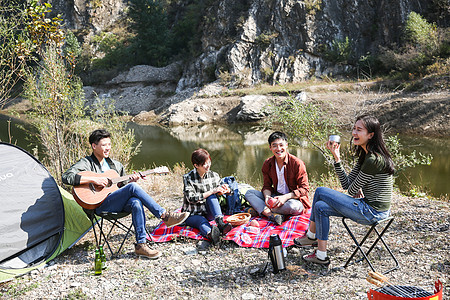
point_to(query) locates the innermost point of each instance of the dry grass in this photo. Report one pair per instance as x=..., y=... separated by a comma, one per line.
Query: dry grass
x=165, y=188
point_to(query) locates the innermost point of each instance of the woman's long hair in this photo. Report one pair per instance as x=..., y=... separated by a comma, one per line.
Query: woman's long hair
x=376, y=144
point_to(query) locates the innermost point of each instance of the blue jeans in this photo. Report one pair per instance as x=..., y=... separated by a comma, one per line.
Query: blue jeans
x=291, y=207
x=200, y=222
x=131, y=198
x=328, y=202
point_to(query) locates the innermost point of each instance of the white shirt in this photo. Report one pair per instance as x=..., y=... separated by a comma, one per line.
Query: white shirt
x=105, y=166
x=282, y=187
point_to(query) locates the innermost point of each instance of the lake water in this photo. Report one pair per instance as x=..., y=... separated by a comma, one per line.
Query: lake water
x=240, y=150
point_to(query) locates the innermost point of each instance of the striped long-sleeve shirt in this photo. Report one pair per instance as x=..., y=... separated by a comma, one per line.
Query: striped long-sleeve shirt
x=370, y=177
x=194, y=187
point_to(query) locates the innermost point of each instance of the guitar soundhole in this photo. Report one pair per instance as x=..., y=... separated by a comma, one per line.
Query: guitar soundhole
x=92, y=188
x=110, y=183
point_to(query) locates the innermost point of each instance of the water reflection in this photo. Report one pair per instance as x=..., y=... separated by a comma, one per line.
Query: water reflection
x=240, y=150
x=12, y=131
x=235, y=150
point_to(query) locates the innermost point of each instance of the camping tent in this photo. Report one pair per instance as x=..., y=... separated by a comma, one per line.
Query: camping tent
x=38, y=219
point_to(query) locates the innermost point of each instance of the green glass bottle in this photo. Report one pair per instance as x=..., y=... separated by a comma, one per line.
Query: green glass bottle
x=102, y=257
x=97, y=263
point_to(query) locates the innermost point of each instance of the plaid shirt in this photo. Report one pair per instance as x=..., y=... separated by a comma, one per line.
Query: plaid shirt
x=194, y=187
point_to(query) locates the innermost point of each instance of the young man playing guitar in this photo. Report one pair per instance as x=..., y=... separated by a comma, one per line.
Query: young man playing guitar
x=129, y=197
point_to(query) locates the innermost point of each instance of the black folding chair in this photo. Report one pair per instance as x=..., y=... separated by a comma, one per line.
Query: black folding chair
x=373, y=228
x=114, y=219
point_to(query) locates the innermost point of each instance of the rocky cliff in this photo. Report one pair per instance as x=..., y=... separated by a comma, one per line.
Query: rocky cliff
x=245, y=42
x=90, y=16
x=284, y=40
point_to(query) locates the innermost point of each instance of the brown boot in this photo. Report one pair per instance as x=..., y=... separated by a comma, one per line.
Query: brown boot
x=172, y=219
x=145, y=251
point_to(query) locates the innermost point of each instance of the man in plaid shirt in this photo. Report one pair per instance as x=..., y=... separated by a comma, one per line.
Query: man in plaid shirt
x=200, y=188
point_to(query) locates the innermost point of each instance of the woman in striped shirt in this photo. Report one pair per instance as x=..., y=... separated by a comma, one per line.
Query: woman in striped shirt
x=369, y=186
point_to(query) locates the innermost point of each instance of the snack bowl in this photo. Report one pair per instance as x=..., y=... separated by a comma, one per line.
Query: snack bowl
x=239, y=219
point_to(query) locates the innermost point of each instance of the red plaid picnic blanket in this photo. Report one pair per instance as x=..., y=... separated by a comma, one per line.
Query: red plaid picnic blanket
x=244, y=235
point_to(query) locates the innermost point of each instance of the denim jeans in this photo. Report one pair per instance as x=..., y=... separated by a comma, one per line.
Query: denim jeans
x=328, y=202
x=256, y=199
x=131, y=198
x=201, y=222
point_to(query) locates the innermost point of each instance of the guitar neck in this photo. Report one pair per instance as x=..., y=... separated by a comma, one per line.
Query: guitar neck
x=144, y=173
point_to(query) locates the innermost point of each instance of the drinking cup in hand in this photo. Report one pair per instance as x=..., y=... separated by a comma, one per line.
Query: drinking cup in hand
x=335, y=138
x=271, y=202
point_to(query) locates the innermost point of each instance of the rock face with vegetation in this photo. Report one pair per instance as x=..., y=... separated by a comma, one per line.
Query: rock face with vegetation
x=253, y=41
x=286, y=41
x=183, y=76
x=90, y=15
x=190, y=61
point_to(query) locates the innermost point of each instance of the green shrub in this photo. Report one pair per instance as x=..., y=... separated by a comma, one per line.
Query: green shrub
x=368, y=65
x=302, y=120
x=57, y=101
x=420, y=33
x=402, y=160
x=312, y=6
x=152, y=42
x=72, y=48
x=423, y=45
x=265, y=38
x=62, y=122
x=15, y=48
x=267, y=73
x=186, y=36
x=340, y=51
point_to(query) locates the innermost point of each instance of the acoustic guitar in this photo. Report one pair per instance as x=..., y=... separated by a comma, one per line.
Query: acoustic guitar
x=91, y=196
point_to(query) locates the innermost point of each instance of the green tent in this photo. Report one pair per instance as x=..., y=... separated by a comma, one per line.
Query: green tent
x=38, y=219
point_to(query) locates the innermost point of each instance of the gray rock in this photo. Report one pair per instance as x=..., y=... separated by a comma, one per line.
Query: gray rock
x=190, y=251
x=149, y=74
x=248, y=296
x=252, y=108
x=202, y=118
x=301, y=96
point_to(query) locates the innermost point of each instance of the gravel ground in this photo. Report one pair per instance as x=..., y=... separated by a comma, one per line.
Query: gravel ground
x=419, y=237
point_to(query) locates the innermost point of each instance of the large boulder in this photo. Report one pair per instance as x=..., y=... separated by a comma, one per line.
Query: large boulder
x=142, y=88
x=149, y=75
x=252, y=108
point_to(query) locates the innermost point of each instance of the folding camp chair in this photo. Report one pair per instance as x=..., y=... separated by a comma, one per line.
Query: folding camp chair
x=114, y=219
x=373, y=228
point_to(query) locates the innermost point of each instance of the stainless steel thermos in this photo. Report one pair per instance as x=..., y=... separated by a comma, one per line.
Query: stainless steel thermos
x=276, y=253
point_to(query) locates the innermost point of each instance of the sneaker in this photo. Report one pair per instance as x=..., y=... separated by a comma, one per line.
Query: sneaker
x=305, y=241
x=224, y=228
x=172, y=219
x=145, y=251
x=252, y=212
x=277, y=219
x=214, y=235
x=314, y=259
